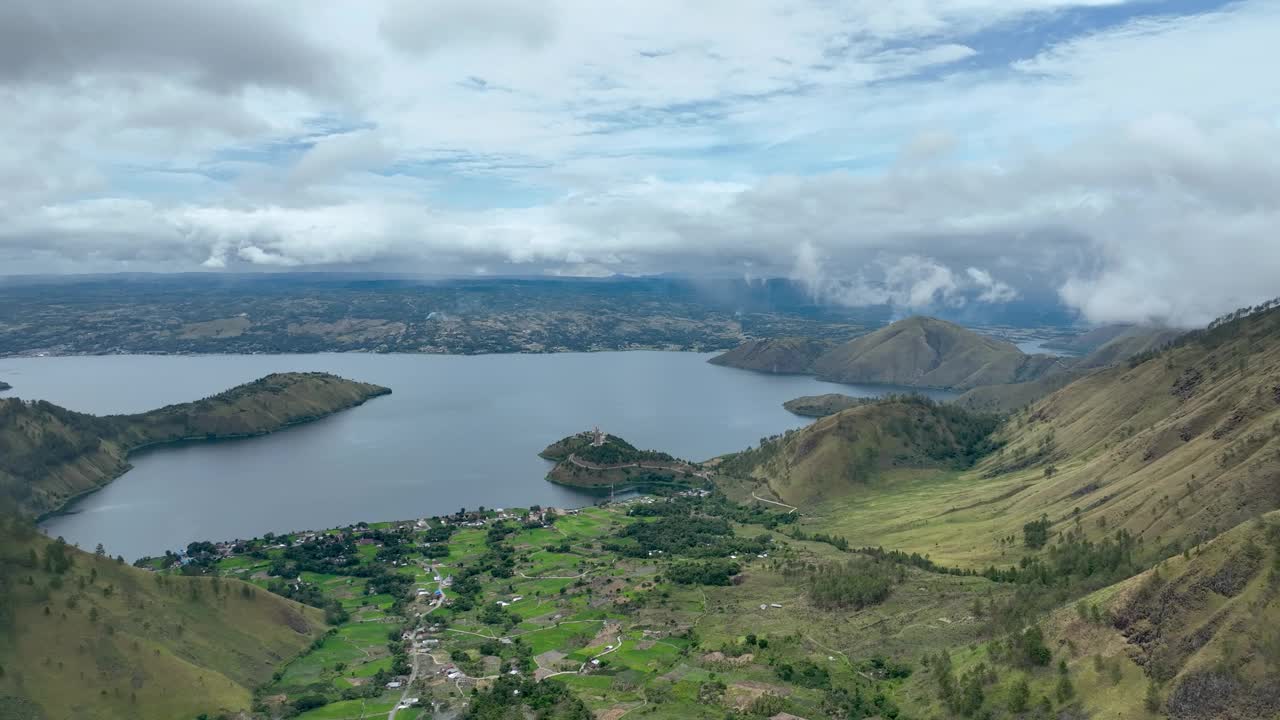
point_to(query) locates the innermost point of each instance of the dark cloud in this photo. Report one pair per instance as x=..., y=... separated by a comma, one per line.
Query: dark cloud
x=222, y=47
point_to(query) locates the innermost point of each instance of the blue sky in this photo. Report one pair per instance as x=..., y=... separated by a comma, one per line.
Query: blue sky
x=922, y=152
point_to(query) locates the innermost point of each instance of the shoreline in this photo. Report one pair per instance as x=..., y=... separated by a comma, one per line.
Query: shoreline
x=65, y=507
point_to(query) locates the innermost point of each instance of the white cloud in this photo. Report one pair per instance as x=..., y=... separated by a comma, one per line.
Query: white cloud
x=1127, y=169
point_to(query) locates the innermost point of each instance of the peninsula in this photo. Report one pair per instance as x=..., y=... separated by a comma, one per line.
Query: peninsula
x=50, y=455
x=595, y=459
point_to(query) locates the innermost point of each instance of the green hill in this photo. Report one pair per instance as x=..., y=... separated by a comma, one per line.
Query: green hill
x=86, y=636
x=599, y=460
x=1200, y=628
x=49, y=455
x=926, y=352
x=783, y=356
x=1173, y=448
x=850, y=449
x=823, y=405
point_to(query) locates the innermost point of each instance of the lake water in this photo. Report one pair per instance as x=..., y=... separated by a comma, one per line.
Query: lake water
x=458, y=431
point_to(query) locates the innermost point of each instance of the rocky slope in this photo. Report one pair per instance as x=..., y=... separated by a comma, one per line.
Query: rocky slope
x=49, y=455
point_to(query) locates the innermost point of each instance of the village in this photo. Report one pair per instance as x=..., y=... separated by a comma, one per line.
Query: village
x=426, y=612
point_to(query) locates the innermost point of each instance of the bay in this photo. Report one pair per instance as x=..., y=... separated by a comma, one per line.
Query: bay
x=458, y=431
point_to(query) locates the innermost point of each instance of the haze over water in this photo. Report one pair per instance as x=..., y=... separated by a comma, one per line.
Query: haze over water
x=457, y=431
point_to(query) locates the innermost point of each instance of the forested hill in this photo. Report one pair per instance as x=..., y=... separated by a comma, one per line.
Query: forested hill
x=49, y=454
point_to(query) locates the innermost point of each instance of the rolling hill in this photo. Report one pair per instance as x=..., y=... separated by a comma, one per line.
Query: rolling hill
x=86, y=636
x=852, y=448
x=783, y=356
x=925, y=352
x=50, y=455
x=1173, y=448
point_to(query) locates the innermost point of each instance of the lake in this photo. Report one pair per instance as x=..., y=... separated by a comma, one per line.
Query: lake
x=458, y=431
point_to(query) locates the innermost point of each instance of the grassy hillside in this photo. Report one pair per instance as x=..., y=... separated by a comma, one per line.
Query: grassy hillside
x=49, y=455
x=1203, y=628
x=845, y=451
x=1015, y=396
x=1177, y=448
x=823, y=405
x=86, y=636
x=925, y=352
x=1087, y=342
x=776, y=355
x=1135, y=341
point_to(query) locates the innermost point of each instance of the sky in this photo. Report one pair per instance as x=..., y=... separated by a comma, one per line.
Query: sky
x=1121, y=156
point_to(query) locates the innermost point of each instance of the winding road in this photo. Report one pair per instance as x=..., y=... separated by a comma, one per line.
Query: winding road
x=413, y=673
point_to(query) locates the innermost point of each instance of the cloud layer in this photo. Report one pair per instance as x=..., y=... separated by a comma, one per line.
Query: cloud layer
x=921, y=154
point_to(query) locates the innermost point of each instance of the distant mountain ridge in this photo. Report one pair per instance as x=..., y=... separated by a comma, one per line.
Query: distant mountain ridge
x=49, y=455
x=919, y=352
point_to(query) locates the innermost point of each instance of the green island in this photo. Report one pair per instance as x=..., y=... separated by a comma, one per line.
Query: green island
x=1111, y=550
x=596, y=460
x=50, y=455
x=822, y=405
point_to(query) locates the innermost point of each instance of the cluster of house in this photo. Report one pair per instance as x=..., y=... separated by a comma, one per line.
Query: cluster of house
x=422, y=639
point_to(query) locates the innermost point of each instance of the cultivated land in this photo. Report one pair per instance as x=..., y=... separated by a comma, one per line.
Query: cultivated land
x=680, y=606
x=317, y=312
x=50, y=455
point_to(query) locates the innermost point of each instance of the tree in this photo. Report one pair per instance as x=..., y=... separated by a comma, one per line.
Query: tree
x=1152, y=700
x=1065, y=690
x=1031, y=649
x=100, y=551
x=1019, y=696
x=1036, y=534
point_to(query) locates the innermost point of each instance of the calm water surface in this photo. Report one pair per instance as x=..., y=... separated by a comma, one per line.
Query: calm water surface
x=457, y=431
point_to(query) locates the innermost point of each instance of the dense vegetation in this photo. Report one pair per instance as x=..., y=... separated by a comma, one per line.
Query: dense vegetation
x=852, y=584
